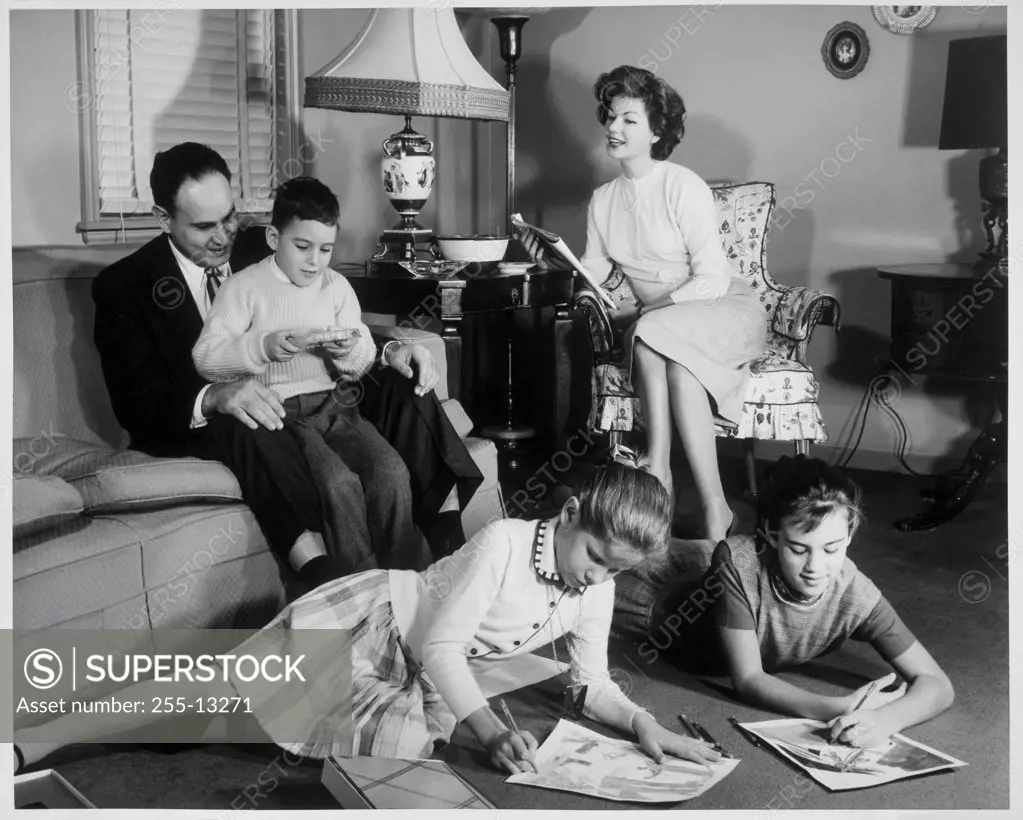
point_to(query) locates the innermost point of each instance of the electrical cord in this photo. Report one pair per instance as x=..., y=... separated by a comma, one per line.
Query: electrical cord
x=875, y=393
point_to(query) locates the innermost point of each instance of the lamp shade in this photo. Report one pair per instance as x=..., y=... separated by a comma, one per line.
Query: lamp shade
x=409, y=61
x=975, y=109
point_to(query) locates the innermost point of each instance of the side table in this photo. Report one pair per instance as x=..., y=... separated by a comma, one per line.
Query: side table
x=392, y=290
x=952, y=321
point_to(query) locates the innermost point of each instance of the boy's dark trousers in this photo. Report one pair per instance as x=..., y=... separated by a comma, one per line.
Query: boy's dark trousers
x=369, y=508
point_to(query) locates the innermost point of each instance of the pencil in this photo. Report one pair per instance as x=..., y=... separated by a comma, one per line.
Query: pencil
x=710, y=739
x=514, y=726
x=688, y=727
x=866, y=694
x=750, y=736
x=508, y=716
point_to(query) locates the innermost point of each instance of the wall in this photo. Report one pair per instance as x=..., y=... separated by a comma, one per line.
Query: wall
x=343, y=149
x=45, y=203
x=762, y=106
x=348, y=148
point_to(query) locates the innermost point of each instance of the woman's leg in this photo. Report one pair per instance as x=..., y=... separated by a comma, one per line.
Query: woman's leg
x=37, y=742
x=653, y=393
x=691, y=406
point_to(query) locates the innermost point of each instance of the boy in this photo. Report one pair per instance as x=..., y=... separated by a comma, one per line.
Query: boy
x=295, y=324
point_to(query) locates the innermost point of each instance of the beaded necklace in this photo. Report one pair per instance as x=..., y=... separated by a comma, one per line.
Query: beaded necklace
x=788, y=596
x=554, y=599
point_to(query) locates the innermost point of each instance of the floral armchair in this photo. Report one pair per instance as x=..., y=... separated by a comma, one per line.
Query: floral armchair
x=781, y=400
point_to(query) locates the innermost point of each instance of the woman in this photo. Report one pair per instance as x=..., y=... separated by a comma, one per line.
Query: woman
x=698, y=324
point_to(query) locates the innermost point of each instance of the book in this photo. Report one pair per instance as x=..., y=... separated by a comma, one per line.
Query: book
x=47, y=790
x=383, y=783
x=839, y=767
x=557, y=247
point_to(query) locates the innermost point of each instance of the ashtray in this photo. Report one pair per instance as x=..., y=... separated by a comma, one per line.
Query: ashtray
x=434, y=268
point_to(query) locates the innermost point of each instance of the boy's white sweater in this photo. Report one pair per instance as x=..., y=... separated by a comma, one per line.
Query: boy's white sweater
x=260, y=300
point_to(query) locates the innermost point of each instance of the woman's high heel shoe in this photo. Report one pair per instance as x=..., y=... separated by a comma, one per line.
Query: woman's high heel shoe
x=19, y=759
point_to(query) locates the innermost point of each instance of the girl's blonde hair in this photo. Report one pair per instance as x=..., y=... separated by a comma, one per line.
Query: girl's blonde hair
x=623, y=504
x=803, y=491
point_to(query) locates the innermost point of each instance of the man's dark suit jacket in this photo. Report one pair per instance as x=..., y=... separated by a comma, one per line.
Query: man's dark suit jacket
x=146, y=326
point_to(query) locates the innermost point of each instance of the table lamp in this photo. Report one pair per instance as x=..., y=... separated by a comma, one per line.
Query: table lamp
x=408, y=61
x=975, y=116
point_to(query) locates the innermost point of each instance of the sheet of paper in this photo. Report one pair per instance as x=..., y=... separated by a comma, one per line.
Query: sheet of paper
x=841, y=767
x=576, y=759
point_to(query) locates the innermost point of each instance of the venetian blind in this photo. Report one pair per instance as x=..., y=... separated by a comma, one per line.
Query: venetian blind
x=200, y=75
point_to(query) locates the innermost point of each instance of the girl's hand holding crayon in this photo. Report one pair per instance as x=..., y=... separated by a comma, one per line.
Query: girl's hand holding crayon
x=863, y=729
x=657, y=741
x=513, y=751
x=876, y=694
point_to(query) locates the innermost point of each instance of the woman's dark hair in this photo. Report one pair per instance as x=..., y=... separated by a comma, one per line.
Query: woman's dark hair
x=627, y=506
x=307, y=199
x=802, y=491
x=666, y=112
x=176, y=166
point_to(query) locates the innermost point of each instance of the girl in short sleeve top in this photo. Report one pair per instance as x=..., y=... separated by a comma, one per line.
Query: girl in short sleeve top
x=789, y=594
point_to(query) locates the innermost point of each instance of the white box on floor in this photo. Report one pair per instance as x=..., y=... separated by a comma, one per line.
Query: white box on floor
x=47, y=790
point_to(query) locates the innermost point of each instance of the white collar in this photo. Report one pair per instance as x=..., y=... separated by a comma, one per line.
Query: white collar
x=545, y=560
x=275, y=269
x=188, y=267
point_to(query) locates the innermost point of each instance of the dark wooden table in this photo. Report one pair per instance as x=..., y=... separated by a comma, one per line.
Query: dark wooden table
x=449, y=300
x=951, y=321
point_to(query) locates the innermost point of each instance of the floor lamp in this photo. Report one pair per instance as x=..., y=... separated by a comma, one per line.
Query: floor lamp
x=509, y=28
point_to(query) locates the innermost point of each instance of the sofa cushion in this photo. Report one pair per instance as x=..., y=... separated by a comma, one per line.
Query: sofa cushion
x=111, y=480
x=40, y=503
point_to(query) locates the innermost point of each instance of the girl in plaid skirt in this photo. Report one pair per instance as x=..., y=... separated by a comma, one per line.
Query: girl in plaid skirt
x=385, y=654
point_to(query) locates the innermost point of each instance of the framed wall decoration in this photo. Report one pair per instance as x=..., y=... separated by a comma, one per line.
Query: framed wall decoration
x=904, y=19
x=845, y=50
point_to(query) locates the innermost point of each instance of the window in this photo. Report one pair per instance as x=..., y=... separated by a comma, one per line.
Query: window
x=151, y=78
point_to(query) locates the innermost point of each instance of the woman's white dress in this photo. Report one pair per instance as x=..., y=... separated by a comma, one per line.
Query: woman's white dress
x=662, y=229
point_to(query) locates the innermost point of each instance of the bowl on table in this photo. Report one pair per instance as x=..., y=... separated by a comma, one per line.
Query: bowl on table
x=483, y=253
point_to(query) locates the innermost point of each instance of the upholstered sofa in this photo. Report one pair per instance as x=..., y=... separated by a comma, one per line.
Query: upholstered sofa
x=106, y=537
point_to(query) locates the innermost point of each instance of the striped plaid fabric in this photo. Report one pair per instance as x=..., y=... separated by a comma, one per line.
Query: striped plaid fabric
x=390, y=709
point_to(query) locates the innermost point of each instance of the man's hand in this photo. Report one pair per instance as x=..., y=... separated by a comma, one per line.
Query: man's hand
x=249, y=401
x=280, y=347
x=414, y=359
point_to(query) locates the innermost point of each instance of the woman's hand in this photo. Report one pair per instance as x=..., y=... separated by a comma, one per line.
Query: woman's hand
x=664, y=301
x=862, y=728
x=513, y=752
x=657, y=741
x=537, y=251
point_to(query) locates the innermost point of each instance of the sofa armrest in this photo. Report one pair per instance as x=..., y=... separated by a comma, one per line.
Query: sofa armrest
x=431, y=341
x=598, y=324
x=798, y=312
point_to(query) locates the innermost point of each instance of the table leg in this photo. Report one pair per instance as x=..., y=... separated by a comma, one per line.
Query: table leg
x=453, y=351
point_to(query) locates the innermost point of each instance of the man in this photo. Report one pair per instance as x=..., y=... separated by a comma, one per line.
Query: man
x=150, y=308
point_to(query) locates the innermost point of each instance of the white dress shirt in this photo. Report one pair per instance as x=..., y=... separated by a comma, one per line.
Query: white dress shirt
x=195, y=278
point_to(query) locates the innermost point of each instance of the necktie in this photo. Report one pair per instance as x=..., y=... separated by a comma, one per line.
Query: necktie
x=213, y=279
